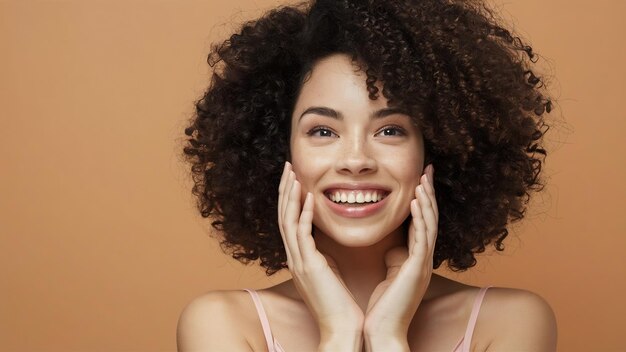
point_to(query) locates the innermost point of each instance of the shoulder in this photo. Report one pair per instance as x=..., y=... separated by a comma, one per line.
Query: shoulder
x=213, y=321
x=513, y=319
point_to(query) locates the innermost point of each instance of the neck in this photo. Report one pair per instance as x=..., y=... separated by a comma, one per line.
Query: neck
x=362, y=268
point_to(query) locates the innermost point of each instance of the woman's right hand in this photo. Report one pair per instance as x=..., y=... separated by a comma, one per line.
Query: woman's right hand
x=315, y=275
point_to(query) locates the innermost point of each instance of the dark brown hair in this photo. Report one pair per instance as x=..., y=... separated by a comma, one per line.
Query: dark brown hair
x=465, y=79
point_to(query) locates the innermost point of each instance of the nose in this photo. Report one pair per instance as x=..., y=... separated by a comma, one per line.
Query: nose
x=355, y=159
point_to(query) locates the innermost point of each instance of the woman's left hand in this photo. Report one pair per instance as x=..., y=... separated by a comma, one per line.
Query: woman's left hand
x=395, y=300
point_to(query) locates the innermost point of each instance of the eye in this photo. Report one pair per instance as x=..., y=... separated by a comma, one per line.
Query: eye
x=392, y=131
x=321, y=131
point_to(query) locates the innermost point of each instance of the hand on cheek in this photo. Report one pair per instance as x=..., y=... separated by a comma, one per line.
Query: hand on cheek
x=409, y=269
x=315, y=275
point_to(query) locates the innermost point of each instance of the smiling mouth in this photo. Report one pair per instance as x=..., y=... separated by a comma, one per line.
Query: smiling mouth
x=356, y=197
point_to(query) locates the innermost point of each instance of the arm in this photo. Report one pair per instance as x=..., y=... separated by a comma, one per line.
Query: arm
x=207, y=324
x=525, y=322
x=342, y=342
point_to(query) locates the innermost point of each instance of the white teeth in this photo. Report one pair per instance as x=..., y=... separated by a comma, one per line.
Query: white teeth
x=356, y=197
x=351, y=198
x=360, y=198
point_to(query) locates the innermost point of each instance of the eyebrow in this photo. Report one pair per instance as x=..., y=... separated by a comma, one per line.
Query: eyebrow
x=325, y=111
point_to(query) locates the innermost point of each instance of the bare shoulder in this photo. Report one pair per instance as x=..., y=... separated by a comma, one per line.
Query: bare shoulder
x=513, y=319
x=213, y=322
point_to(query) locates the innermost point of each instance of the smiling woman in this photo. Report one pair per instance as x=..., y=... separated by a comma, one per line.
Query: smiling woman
x=315, y=149
x=346, y=144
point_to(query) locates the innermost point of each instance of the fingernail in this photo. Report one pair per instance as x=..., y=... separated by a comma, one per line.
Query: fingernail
x=431, y=172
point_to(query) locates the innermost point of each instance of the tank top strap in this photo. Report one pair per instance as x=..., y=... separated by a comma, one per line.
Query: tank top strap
x=478, y=301
x=263, y=317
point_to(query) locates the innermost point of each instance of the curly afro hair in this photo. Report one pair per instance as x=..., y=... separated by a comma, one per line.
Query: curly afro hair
x=464, y=78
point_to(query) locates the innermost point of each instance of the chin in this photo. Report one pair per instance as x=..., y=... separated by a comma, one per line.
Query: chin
x=355, y=236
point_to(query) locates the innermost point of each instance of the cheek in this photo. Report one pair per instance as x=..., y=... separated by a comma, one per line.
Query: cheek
x=407, y=167
x=308, y=167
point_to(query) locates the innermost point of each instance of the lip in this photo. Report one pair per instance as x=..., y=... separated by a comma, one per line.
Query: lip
x=356, y=211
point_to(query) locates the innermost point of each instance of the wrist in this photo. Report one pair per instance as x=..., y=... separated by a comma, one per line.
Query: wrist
x=386, y=342
x=341, y=341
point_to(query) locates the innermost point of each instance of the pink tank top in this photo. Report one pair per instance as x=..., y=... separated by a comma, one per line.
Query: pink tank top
x=462, y=346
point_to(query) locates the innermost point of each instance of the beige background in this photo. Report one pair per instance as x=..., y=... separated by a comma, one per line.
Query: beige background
x=100, y=244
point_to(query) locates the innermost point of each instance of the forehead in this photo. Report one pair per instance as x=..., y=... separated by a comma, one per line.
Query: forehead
x=337, y=82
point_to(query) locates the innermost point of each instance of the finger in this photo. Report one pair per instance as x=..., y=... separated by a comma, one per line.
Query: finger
x=284, y=227
x=431, y=173
x=428, y=214
x=285, y=196
x=430, y=189
x=281, y=190
x=283, y=177
x=305, y=225
x=292, y=215
x=421, y=242
x=411, y=241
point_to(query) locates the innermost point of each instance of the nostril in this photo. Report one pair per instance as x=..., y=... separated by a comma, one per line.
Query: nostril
x=357, y=167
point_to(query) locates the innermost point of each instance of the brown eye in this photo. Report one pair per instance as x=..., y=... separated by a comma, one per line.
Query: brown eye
x=321, y=132
x=392, y=131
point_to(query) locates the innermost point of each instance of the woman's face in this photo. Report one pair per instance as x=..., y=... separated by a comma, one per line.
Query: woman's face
x=359, y=158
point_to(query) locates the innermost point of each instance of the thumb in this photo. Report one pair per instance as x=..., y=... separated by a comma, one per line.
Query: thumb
x=333, y=266
x=331, y=261
x=394, y=258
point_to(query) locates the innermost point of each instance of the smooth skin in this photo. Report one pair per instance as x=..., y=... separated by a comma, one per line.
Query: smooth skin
x=394, y=301
x=365, y=283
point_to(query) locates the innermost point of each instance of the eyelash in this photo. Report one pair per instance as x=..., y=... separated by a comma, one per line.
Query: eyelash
x=400, y=130
x=316, y=129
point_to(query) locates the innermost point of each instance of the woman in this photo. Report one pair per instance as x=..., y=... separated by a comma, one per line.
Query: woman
x=399, y=134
